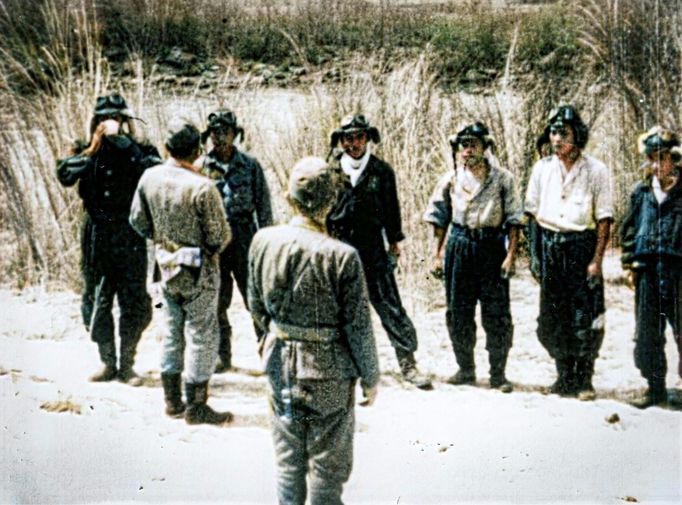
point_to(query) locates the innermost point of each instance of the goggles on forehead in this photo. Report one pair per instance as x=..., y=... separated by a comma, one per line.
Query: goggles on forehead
x=115, y=100
x=227, y=117
x=358, y=122
x=562, y=114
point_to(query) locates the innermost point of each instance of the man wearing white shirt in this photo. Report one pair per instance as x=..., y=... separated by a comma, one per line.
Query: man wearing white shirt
x=569, y=201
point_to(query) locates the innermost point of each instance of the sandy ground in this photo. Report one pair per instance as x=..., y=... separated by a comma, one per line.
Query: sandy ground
x=65, y=440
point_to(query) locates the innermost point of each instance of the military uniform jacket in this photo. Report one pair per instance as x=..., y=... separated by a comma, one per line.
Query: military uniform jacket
x=308, y=291
x=107, y=180
x=495, y=204
x=176, y=207
x=366, y=211
x=651, y=230
x=243, y=187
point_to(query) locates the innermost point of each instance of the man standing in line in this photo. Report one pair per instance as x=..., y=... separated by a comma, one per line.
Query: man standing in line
x=182, y=212
x=367, y=211
x=479, y=203
x=114, y=261
x=246, y=197
x=569, y=197
x=652, y=252
x=307, y=291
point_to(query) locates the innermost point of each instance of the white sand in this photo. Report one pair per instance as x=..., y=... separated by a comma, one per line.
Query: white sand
x=451, y=445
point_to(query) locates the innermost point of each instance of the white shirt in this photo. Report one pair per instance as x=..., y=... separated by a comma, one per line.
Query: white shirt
x=354, y=168
x=569, y=200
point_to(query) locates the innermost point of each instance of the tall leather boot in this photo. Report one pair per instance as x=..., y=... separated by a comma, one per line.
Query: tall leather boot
x=408, y=368
x=197, y=411
x=224, y=355
x=126, y=373
x=656, y=394
x=107, y=353
x=584, y=368
x=565, y=385
x=172, y=393
x=467, y=369
x=498, y=379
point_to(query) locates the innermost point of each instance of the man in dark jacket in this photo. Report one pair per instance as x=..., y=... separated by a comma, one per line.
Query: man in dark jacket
x=366, y=215
x=246, y=197
x=114, y=261
x=652, y=252
x=307, y=290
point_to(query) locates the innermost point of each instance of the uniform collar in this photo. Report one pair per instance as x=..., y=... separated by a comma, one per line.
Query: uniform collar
x=305, y=222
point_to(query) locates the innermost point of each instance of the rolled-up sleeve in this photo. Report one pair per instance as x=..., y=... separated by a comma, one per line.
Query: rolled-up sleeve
x=439, y=209
x=513, y=209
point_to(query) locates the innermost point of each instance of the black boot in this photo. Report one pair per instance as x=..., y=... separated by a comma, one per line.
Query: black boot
x=107, y=353
x=467, y=369
x=197, y=411
x=565, y=385
x=172, y=393
x=408, y=368
x=498, y=379
x=656, y=394
x=584, y=368
x=125, y=370
x=224, y=355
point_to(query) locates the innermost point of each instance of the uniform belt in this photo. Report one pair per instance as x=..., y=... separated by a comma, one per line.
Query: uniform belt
x=486, y=233
x=562, y=237
x=285, y=331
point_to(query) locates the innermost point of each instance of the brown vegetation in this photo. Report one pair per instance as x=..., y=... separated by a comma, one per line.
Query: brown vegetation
x=618, y=61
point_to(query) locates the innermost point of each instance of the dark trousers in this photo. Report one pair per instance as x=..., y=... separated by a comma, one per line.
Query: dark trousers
x=571, y=320
x=234, y=263
x=473, y=261
x=658, y=299
x=385, y=298
x=115, y=265
x=312, y=428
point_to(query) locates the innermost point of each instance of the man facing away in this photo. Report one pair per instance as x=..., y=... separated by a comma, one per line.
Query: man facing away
x=308, y=292
x=366, y=215
x=568, y=201
x=183, y=214
x=246, y=198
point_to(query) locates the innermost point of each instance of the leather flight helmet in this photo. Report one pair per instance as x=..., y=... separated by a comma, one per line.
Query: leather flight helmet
x=222, y=118
x=355, y=123
x=113, y=104
x=561, y=117
x=477, y=130
x=657, y=139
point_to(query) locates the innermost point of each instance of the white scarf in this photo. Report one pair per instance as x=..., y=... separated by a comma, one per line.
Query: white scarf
x=658, y=190
x=354, y=168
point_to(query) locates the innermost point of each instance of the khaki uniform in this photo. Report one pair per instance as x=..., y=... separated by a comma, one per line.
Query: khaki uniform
x=177, y=209
x=478, y=222
x=308, y=291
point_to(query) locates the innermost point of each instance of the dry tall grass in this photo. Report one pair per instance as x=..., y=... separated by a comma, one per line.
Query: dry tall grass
x=403, y=98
